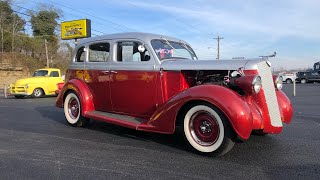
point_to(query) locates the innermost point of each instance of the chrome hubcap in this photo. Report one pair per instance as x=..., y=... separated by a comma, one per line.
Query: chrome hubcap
x=37, y=92
x=204, y=128
x=73, y=107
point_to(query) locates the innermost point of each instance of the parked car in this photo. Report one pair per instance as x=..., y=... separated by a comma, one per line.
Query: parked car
x=289, y=77
x=43, y=82
x=156, y=83
x=308, y=77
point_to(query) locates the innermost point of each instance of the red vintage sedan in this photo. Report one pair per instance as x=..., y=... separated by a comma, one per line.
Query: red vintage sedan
x=156, y=83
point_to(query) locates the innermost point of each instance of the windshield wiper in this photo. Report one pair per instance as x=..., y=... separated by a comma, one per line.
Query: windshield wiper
x=173, y=57
x=168, y=43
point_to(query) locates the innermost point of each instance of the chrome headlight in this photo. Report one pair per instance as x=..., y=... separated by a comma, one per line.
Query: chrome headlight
x=278, y=83
x=27, y=86
x=256, y=84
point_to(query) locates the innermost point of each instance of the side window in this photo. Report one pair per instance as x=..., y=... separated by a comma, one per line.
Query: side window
x=131, y=51
x=81, y=55
x=54, y=74
x=99, y=52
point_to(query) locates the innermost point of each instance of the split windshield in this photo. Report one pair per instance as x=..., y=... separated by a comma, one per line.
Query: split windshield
x=40, y=73
x=172, y=50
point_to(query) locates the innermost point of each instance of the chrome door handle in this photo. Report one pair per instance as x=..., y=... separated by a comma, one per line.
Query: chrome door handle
x=113, y=72
x=104, y=72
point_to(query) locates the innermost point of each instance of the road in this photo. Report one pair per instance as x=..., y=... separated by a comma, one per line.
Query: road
x=37, y=143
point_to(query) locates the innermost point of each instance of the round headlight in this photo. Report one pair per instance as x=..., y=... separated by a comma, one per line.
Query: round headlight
x=279, y=82
x=256, y=84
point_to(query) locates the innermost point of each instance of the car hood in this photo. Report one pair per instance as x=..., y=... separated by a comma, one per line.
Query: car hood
x=246, y=64
x=31, y=80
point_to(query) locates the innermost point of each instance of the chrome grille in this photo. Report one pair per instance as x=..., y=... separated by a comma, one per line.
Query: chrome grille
x=268, y=87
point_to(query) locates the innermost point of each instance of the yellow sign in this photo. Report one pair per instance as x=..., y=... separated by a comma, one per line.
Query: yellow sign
x=76, y=29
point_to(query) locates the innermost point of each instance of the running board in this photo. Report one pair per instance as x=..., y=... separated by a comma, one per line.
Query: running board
x=121, y=120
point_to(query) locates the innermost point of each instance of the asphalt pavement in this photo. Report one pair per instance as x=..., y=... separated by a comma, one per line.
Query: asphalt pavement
x=37, y=143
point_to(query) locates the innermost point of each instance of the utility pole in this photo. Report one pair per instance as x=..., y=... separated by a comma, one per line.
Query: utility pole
x=218, y=39
x=45, y=44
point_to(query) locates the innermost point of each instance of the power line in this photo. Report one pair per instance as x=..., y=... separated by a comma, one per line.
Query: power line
x=91, y=15
x=42, y=16
x=93, y=22
x=58, y=24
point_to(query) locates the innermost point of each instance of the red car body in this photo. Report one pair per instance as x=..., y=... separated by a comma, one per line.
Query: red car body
x=59, y=87
x=154, y=99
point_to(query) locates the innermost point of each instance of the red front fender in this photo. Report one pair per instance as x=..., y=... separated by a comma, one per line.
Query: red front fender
x=285, y=106
x=84, y=94
x=229, y=102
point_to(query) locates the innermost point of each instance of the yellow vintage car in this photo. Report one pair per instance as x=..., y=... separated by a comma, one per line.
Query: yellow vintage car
x=43, y=82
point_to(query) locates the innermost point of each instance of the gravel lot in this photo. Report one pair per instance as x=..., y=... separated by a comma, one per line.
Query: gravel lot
x=37, y=143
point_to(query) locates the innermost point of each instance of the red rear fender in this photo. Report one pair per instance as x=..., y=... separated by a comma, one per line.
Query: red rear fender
x=229, y=102
x=82, y=90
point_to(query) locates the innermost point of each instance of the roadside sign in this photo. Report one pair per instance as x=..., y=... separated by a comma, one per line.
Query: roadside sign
x=76, y=29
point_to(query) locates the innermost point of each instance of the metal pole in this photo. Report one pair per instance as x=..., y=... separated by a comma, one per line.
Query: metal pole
x=5, y=91
x=294, y=87
x=218, y=49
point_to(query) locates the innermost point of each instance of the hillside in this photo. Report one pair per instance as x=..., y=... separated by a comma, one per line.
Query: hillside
x=16, y=66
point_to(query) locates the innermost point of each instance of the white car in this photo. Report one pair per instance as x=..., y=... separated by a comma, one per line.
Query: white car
x=289, y=77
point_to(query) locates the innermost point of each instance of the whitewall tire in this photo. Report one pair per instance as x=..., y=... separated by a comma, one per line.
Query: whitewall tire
x=72, y=111
x=207, y=130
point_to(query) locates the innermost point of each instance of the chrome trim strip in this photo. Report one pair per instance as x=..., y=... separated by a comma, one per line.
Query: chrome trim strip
x=270, y=93
x=174, y=65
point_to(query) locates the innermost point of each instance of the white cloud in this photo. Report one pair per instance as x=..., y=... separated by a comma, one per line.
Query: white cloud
x=251, y=28
x=290, y=19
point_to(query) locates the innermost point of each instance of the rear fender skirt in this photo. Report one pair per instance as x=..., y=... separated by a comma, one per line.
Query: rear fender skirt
x=85, y=95
x=285, y=106
x=229, y=102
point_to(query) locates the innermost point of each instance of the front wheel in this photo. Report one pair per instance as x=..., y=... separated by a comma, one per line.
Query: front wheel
x=72, y=111
x=288, y=81
x=38, y=92
x=303, y=81
x=207, y=130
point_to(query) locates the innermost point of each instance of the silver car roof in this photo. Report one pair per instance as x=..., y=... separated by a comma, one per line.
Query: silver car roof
x=146, y=37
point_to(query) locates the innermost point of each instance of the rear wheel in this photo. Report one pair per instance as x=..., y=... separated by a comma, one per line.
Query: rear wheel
x=38, y=92
x=207, y=130
x=72, y=111
x=288, y=81
x=303, y=81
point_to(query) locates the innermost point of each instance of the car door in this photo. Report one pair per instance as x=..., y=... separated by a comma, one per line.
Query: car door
x=133, y=79
x=53, y=79
x=96, y=74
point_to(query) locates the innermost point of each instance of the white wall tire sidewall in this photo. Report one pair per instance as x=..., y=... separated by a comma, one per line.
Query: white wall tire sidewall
x=189, y=137
x=66, y=108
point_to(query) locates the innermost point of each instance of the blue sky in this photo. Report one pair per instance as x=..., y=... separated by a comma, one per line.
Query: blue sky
x=250, y=28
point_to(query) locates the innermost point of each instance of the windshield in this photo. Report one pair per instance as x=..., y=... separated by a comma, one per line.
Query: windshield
x=40, y=73
x=172, y=50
